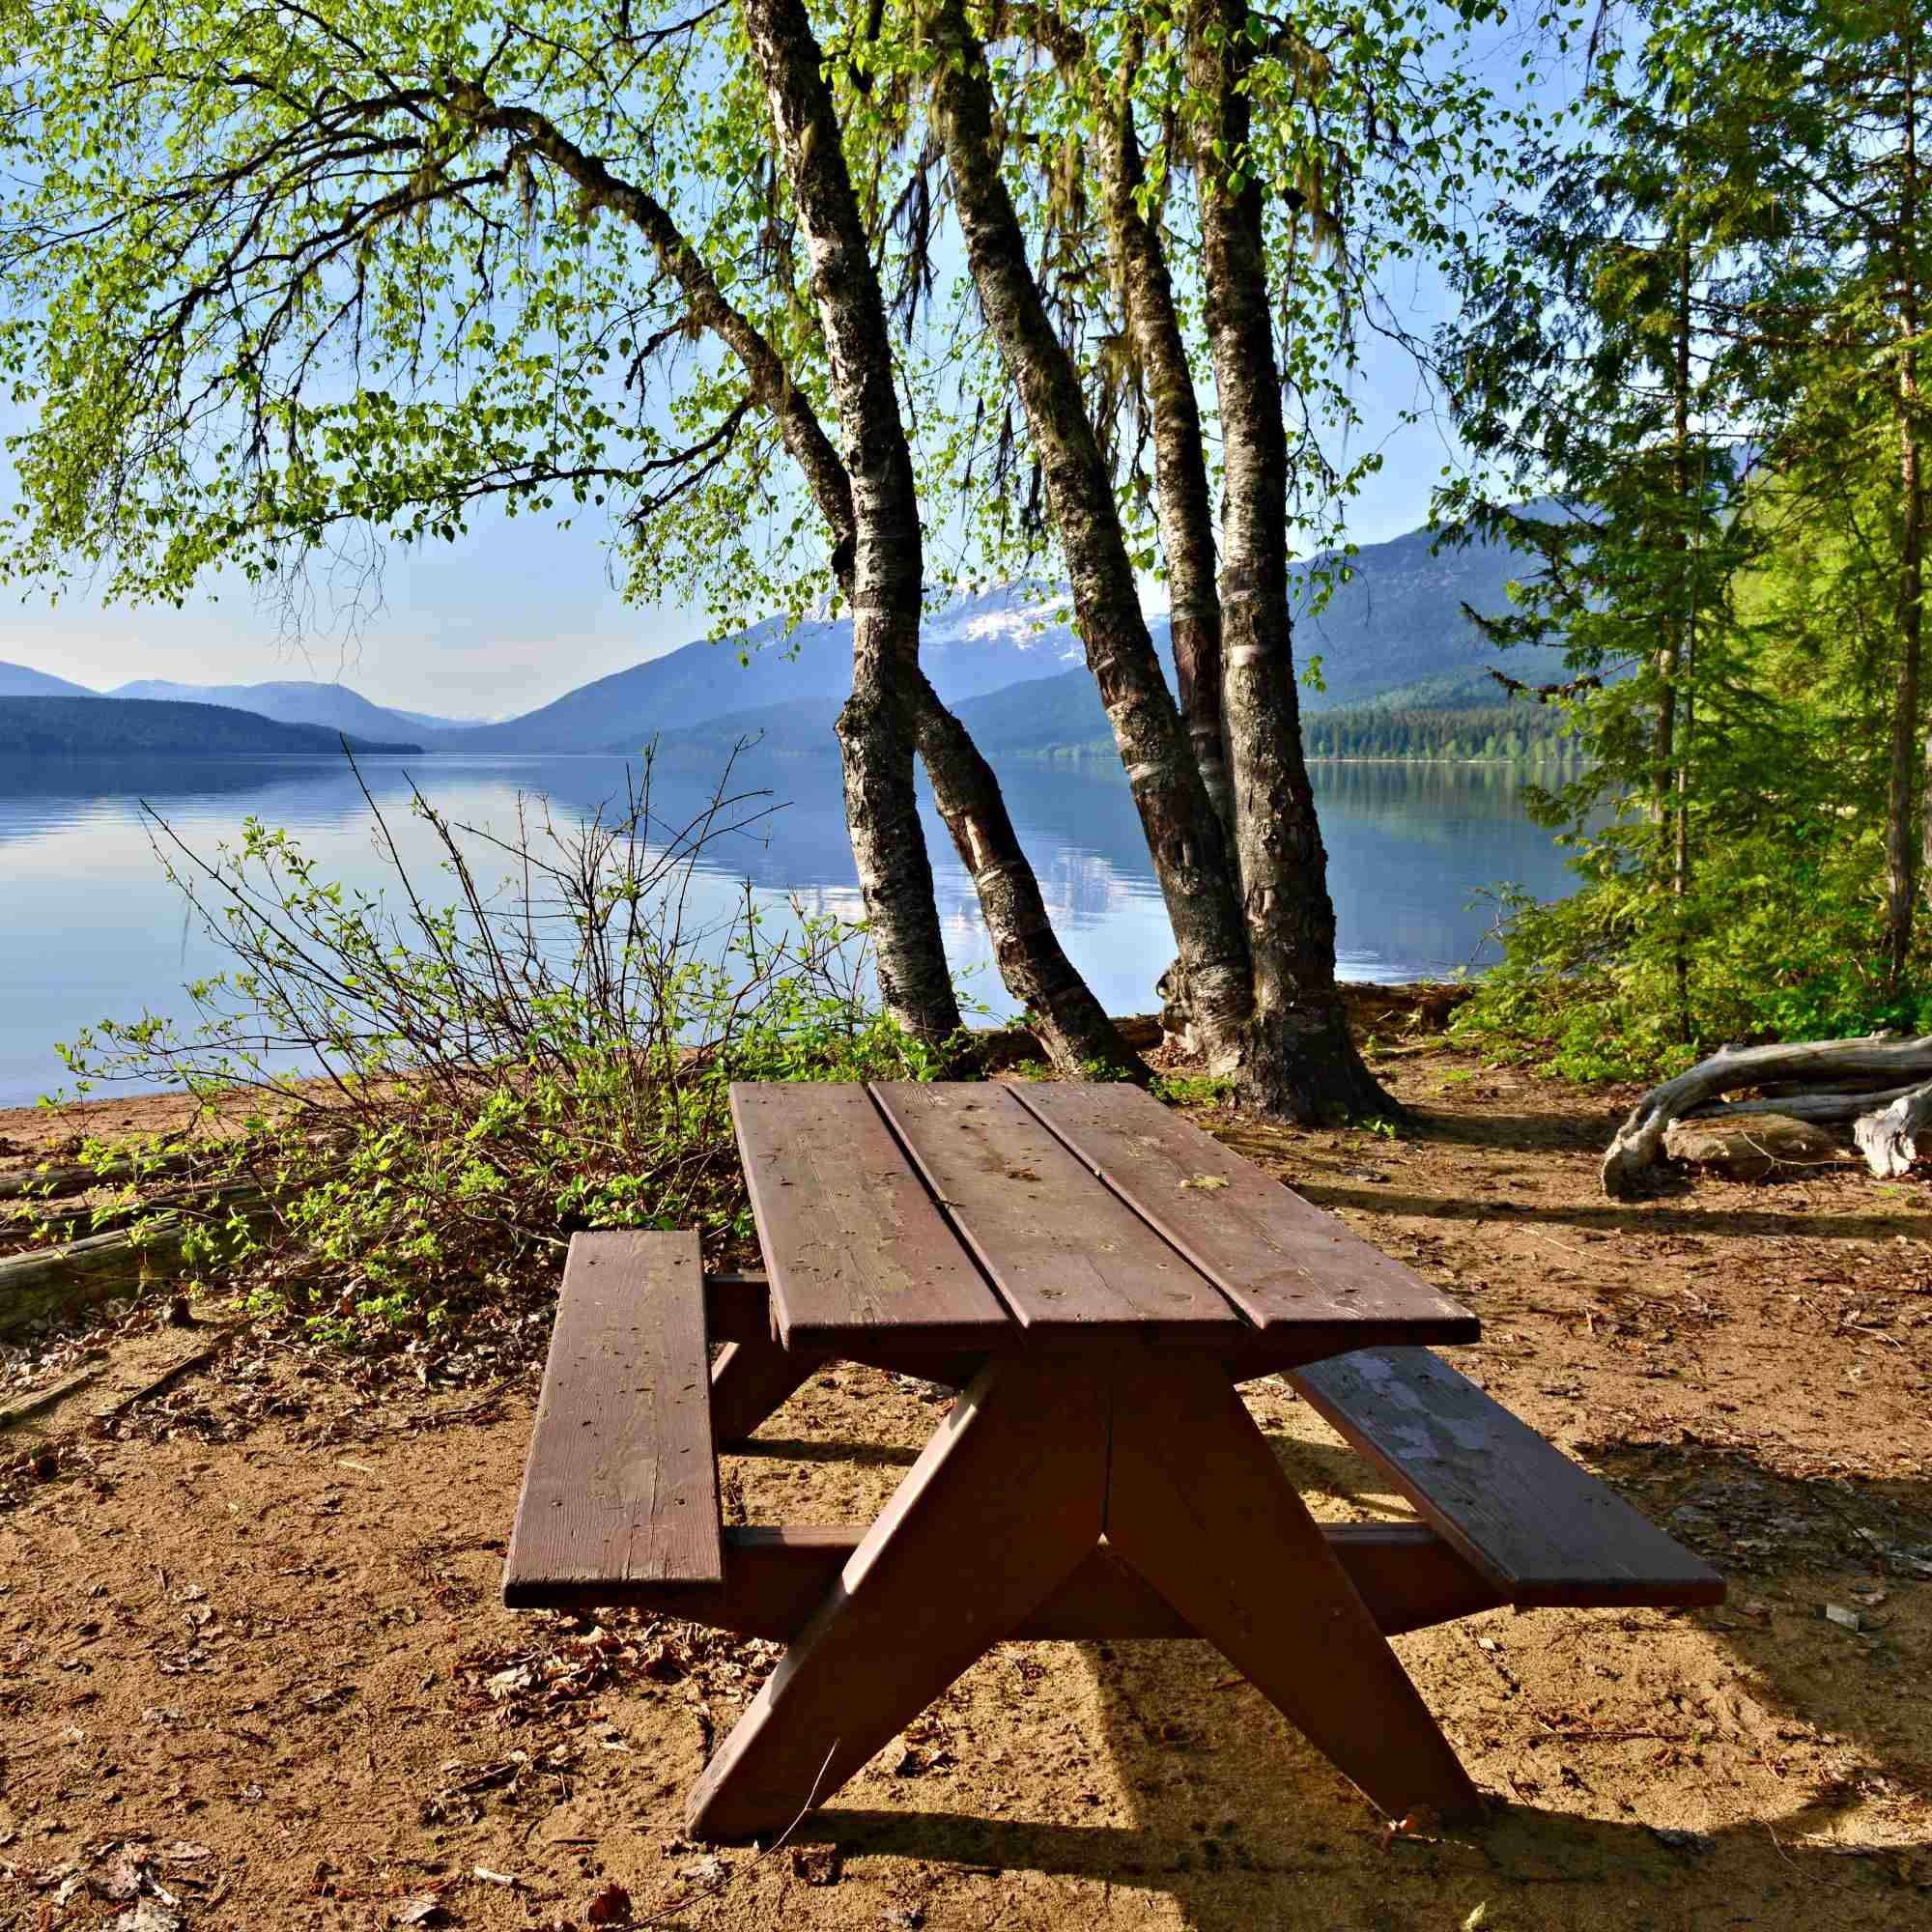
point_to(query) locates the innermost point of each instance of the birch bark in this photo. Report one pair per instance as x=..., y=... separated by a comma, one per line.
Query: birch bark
x=1184, y=507
x=1184, y=834
x=876, y=727
x=1073, y=1027
x=1301, y=1062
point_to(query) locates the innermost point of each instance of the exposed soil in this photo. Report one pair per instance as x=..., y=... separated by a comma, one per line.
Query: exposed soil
x=251, y=1655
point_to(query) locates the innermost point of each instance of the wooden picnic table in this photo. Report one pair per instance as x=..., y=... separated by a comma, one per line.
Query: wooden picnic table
x=1096, y=1274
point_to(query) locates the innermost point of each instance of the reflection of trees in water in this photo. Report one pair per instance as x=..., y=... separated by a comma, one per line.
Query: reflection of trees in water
x=1409, y=845
x=41, y=795
x=1419, y=791
x=1080, y=889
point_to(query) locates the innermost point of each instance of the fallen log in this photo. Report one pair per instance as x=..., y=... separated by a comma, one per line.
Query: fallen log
x=18, y=1409
x=53, y=1180
x=1801, y=1106
x=45, y=1280
x=1889, y=1137
x=1641, y=1139
x=1751, y=1146
x=57, y=1220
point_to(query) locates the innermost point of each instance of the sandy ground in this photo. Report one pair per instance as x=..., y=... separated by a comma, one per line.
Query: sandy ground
x=251, y=1657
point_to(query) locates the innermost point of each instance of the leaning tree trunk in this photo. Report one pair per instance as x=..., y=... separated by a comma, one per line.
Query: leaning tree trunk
x=876, y=727
x=1183, y=835
x=1184, y=506
x=1902, y=849
x=1068, y=1020
x=1071, y=1024
x=1183, y=503
x=1911, y=445
x=1301, y=1062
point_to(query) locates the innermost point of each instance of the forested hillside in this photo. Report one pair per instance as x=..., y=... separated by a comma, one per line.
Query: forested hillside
x=98, y=728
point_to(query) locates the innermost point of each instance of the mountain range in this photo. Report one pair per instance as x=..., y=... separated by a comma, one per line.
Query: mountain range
x=1006, y=658
x=294, y=702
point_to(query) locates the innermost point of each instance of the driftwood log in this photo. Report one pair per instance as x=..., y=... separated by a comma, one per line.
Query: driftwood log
x=1640, y=1141
x=1888, y=1138
x=57, y=1180
x=1801, y=1106
x=47, y=1281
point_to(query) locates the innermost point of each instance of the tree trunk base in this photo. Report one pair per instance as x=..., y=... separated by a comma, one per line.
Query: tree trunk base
x=1303, y=1068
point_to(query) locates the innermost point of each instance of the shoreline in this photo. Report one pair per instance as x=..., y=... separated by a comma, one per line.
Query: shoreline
x=28, y=1129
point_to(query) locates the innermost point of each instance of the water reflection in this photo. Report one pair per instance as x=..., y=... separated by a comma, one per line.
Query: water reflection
x=89, y=926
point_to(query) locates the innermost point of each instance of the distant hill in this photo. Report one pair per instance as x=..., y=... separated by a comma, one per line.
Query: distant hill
x=93, y=728
x=295, y=701
x=800, y=730
x=1396, y=629
x=424, y=720
x=1061, y=718
x=977, y=643
x=19, y=681
x=1006, y=658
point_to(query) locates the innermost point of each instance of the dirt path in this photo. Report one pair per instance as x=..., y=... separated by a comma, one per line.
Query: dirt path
x=250, y=1652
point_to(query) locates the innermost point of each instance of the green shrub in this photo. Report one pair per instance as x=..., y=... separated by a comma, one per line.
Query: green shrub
x=1779, y=940
x=482, y=1078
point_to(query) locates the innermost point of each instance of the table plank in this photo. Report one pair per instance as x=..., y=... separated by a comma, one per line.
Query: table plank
x=851, y=1237
x=1068, y=1256
x=1283, y=1262
x=622, y=1482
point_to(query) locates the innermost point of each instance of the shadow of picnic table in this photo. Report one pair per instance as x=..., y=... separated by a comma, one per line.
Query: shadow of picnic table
x=1649, y=1771
x=1525, y=1868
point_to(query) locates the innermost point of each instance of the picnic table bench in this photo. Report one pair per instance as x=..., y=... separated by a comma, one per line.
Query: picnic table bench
x=1095, y=1275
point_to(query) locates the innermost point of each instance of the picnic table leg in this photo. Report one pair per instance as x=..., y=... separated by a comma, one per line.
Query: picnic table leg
x=752, y=1380
x=1001, y=1508
x=1223, y=1536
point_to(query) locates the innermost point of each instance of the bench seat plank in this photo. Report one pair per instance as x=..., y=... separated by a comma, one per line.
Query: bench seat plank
x=1547, y=1532
x=851, y=1237
x=1290, y=1268
x=622, y=1481
x=1069, y=1257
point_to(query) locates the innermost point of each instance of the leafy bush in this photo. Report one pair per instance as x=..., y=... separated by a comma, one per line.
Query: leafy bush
x=484, y=1077
x=1779, y=937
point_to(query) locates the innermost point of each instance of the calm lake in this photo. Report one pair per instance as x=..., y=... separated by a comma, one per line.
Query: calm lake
x=91, y=929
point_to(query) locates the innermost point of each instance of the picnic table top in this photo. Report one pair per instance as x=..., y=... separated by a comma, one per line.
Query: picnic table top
x=975, y=1215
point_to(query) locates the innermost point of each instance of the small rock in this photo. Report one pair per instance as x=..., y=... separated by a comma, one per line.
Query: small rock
x=1680, y=1841
x=1751, y=1146
x=145, y=1914
x=1837, y=1613
x=817, y=1864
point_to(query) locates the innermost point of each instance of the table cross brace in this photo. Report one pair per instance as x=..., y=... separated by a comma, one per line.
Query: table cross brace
x=1043, y=1455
